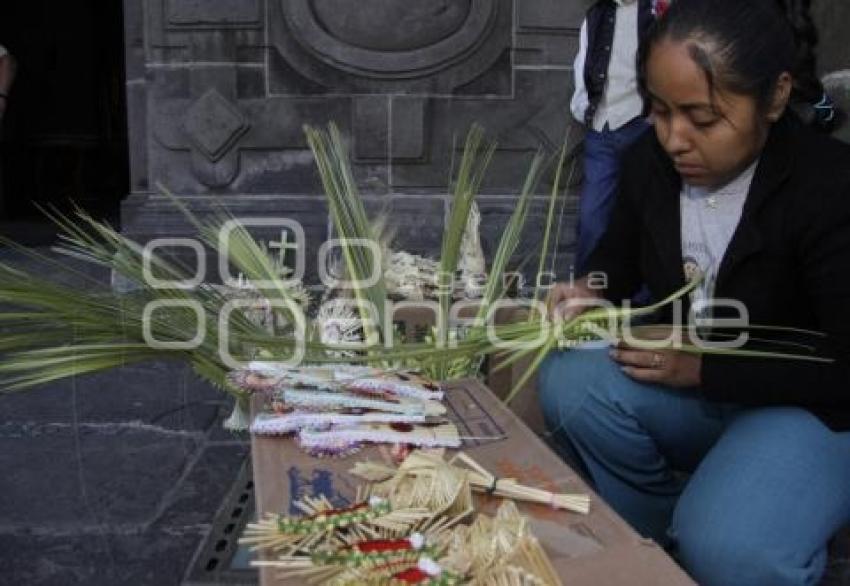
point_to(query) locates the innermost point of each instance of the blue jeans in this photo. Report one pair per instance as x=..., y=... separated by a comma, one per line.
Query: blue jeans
x=767, y=489
x=602, y=153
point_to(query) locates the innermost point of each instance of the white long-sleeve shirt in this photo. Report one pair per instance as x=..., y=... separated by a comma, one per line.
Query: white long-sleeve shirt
x=621, y=101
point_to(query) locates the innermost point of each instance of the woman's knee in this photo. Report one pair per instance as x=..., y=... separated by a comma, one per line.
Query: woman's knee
x=740, y=558
x=776, y=461
x=565, y=379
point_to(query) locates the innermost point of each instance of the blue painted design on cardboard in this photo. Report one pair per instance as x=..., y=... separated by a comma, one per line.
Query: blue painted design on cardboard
x=318, y=482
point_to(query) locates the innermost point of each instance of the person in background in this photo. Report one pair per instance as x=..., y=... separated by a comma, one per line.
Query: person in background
x=739, y=465
x=8, y=67
x=607, y=102
x=7, y=77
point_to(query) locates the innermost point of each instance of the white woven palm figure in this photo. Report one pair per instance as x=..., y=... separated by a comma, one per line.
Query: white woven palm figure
x=415, y=277
x=338, y=324
x=472, y=264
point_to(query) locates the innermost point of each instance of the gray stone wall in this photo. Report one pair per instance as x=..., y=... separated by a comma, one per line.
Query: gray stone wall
x=218, y=92
x=832, y=18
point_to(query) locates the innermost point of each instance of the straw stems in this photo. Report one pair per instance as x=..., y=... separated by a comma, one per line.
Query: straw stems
x=423, y=480
x=431, y=471
x=527, y=566
x=483, y=481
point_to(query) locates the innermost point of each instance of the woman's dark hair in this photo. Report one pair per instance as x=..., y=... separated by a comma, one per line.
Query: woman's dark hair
x=807, y=86
x=808, y=96
x=742, y=45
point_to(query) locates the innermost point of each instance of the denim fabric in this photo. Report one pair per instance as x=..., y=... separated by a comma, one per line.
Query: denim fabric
x=602, y=153
x=742, y=496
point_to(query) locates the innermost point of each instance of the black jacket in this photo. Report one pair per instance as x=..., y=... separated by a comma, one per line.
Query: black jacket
x=788, y=262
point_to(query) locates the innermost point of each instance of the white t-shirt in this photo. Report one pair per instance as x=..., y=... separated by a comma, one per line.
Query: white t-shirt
x=3, y=51
x=709, y=219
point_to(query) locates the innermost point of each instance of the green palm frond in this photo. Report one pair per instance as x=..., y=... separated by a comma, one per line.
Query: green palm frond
x=351, y=223
x=53, y=331
x=475, y=160
x=50, y=331
x=230, y=240
x=495, y=287
x=550, y=219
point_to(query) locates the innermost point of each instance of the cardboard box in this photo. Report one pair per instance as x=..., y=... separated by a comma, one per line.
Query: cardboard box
x=525, y=403
x=502, y=380
x=415, y=322
x=595, y=549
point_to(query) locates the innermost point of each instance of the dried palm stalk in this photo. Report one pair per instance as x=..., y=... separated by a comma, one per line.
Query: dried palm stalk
x=424, y=463
x=423, y=479
x=323, y=524
x=500, y=550
x=483, y=481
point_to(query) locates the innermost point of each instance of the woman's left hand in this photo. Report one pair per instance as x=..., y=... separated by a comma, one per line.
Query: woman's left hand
x=673, y=368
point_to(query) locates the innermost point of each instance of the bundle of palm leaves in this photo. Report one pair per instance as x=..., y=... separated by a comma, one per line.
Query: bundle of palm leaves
x=50, y=331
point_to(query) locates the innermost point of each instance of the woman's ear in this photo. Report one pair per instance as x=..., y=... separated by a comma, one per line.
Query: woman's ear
x=781, y=95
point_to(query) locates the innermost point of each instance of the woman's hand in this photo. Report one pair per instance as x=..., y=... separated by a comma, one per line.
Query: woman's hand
x=673, y=368
x=567, y=300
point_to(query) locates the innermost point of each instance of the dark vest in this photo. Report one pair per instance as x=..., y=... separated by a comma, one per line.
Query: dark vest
x=601, y=19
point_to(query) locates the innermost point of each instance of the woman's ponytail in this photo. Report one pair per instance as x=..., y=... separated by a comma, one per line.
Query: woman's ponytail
x=808, y=95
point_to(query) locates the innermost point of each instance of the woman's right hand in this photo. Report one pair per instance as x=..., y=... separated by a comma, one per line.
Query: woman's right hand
x=567, y=300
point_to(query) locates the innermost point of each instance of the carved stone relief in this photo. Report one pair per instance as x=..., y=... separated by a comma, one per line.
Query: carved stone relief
x=390, y=46
x=222, y=88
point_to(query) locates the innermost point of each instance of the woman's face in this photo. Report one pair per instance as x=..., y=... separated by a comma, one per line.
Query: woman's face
x=709, y=140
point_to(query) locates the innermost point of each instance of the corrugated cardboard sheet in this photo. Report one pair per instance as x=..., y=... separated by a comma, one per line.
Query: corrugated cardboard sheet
x=598, y=549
